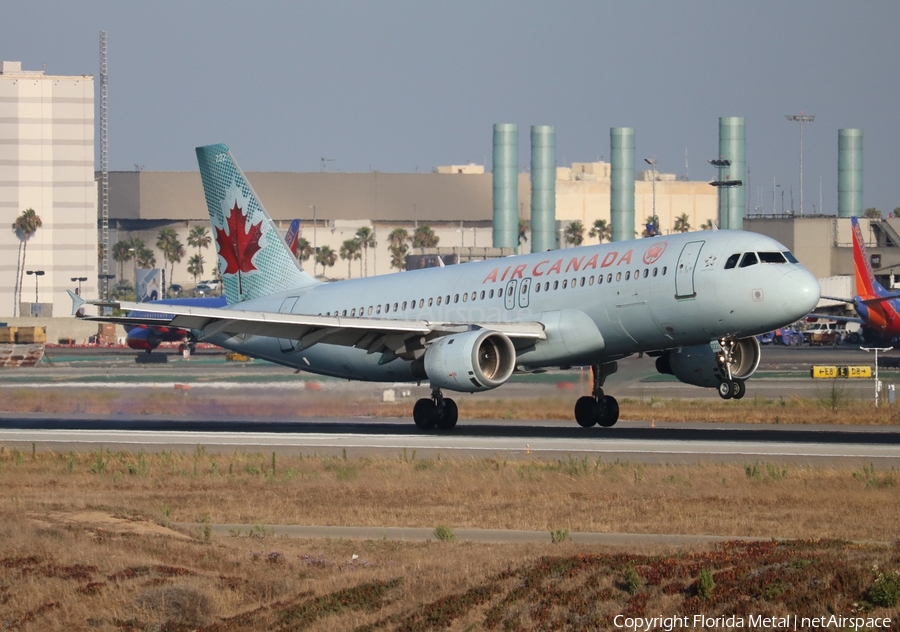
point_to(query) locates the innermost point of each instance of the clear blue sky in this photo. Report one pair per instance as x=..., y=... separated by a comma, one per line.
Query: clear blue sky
x=405, y=86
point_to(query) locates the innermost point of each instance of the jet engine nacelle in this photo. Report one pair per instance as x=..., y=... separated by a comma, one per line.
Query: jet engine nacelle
x=474, y=361
x=699, y=365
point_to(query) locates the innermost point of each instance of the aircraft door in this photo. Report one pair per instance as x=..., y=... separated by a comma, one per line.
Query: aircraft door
x=510, y=296
x=684, y=273
x=524, y=292
x=287, y=307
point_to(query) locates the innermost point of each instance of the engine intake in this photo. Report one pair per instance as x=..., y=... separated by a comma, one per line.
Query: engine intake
x=470, y=362
x=700, y=365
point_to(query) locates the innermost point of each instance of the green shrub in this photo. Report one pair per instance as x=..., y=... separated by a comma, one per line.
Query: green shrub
x=559, y=535
x=633, y=581
x=885, y=590
x=705, y=584
x=444, y=533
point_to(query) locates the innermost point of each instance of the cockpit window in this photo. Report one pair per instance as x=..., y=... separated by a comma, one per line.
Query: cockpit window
x=749, y=259
x=771, y=257
x=732, y=261
x=790, y=256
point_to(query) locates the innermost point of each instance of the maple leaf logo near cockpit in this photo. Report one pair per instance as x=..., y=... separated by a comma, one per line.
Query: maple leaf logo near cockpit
x=238, y=245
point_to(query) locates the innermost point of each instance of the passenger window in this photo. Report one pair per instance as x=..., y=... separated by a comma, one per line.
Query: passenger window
x=537, y=287
x=404, y=306
x=439, y=300
x=655, y=271
x=600, y=279
x=646, y=272
x=609, y=278
x=482, y=295
x=749, y=259
x=474, y=294
x=352, y=312
x=565, y=283
x=456, y=298
x=447, y=299
x=556, y=285
x=421, y=303
x=491, y=294
x=344, y=312
x=430, y=302
x=378, y=309
x=590, y=280
x=370, y=310
x=500, y=293
x=395, y=307
x=627, y=275
x=546, y=286
x=465, y=298
x=665, y=268
x=618, y=276
x=732, y=261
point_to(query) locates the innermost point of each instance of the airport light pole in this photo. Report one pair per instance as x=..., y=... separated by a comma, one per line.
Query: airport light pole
x=37, y=275
x=79, y=281
x=652, y=163
x=315, y=248
x=801, y=118
x=877, y=382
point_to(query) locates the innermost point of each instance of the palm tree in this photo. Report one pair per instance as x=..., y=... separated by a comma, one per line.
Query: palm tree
x=122, y=252
x=682, y=223
x=424, y=237
x=523, y=231
x=326, y=257
x=707, y=225
x=304, y=249
x=172, y=248
x=143, y=256
x=366, y=238
x=199, y=238
x=601, y=229
x=398, y=245
x=25, y=226
x=873, y=213
x=350, y=250
x=574, y=233
x=195, y=266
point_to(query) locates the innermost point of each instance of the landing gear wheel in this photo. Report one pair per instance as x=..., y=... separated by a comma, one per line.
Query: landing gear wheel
x=446, y=414
x=740, y=389
x=611, y=412
x=425, y=414
x=586, y=411
x=726, y=390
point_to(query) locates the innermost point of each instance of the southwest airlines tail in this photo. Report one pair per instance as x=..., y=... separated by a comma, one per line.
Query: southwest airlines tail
x=253, y=258
x=867, y=287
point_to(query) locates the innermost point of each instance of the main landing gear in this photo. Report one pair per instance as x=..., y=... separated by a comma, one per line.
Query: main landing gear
x=732, y=389
x=597, y=408
x=437, y=411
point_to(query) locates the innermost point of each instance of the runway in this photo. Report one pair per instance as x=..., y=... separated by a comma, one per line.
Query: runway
x=633, y=441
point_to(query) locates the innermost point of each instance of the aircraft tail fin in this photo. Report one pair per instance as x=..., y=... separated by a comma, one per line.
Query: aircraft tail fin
x=292, y=237
x=253, y=258
x=866, y=285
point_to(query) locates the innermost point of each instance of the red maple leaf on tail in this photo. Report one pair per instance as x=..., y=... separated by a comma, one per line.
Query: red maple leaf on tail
x=238, y=246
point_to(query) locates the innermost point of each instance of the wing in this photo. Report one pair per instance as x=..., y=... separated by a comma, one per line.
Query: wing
x=392, y=338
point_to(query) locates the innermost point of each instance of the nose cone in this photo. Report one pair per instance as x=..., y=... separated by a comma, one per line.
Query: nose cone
x=798, y=291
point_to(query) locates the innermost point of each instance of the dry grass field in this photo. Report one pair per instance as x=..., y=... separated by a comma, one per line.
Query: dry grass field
x=87, y=541
x=90, y=541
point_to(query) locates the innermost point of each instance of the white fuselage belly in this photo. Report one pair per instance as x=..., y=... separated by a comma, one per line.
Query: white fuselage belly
x=658, y=293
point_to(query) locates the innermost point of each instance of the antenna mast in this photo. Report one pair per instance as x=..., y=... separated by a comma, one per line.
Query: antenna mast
x=104, y=163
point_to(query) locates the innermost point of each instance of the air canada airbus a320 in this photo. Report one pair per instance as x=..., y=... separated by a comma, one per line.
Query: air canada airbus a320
x=694, y=301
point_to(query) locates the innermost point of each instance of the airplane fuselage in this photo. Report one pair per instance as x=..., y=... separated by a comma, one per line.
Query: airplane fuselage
x=597, y=303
